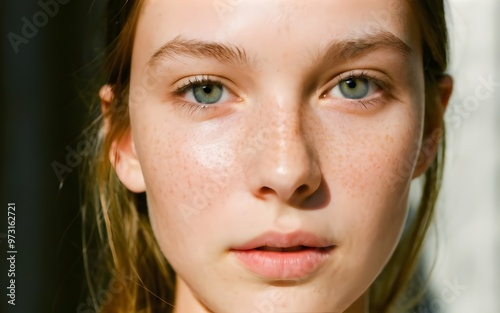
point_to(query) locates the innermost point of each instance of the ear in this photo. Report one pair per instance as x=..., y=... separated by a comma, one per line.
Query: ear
x=433, y=131
x=122, y=153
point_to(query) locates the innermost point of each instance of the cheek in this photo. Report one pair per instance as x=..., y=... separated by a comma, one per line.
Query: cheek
x=368, y=165
x=377, y=161
x=186, y=173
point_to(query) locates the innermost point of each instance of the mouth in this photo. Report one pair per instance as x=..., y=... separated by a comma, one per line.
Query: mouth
x=292, y=249
x=278, y=256
x=274, y=241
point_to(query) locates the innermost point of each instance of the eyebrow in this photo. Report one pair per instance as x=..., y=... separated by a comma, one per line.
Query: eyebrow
x=355, y=47
x=199, y=49
x=224, y=53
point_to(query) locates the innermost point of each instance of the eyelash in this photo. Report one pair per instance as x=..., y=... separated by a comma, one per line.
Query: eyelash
x=197, y=82
x=207, y=80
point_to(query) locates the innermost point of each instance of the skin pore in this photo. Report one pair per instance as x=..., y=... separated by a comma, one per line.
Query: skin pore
x=317, y=112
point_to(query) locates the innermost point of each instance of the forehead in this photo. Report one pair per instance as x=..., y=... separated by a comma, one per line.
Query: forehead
x=278, y=27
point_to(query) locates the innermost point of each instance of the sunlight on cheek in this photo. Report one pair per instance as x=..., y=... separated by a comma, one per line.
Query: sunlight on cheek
x=213, y=155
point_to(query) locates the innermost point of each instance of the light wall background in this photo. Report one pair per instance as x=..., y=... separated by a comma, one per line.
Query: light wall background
x=465, y=244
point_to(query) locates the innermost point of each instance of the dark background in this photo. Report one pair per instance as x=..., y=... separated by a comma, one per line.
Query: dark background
x=47, y=87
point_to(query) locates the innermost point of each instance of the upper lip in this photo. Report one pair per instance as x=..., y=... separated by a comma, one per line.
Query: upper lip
x=286, y=240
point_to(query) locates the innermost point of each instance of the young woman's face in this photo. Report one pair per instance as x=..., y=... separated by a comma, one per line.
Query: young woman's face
x=277, y=141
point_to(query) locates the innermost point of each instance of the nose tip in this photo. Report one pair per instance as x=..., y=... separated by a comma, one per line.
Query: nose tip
x=286, y=168
x=290, y=184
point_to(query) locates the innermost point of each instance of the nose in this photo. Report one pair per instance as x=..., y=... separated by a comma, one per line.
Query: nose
x=284, y=163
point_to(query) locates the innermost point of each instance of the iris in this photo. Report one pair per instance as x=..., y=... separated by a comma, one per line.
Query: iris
x=208, y=93
x=355, y=88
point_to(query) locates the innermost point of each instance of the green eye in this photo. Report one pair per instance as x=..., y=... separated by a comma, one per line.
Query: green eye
x=208, y=93
x=354, y=88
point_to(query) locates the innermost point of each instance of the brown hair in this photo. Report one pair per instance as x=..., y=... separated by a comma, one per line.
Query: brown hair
x=129, y=265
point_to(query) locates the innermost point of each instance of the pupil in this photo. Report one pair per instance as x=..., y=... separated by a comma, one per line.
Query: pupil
x=207, y=89
x=351, y=83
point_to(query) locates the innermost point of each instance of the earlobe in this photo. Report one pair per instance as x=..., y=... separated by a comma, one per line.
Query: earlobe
x=122, y=153
x=435, y=132
x=445, y=86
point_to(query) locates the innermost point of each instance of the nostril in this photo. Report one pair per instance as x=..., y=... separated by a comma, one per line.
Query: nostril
x=266, y=190
x=302, y=189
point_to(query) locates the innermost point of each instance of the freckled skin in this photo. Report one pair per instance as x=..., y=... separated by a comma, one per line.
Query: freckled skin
x=275, y=156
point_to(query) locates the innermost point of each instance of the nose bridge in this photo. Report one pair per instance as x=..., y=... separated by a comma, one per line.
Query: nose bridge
x=284, y=165
x=288, y=144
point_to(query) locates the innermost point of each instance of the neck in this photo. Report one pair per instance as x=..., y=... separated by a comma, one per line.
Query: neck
x=359, y=306
x=185, y=301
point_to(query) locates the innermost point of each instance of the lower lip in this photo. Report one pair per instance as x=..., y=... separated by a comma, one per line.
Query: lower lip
x=283, y=265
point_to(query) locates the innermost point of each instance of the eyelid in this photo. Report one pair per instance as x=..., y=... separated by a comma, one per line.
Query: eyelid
x=185, y=86
x=363, y=74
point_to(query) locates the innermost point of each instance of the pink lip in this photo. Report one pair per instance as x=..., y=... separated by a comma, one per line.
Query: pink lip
x=308, y=253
